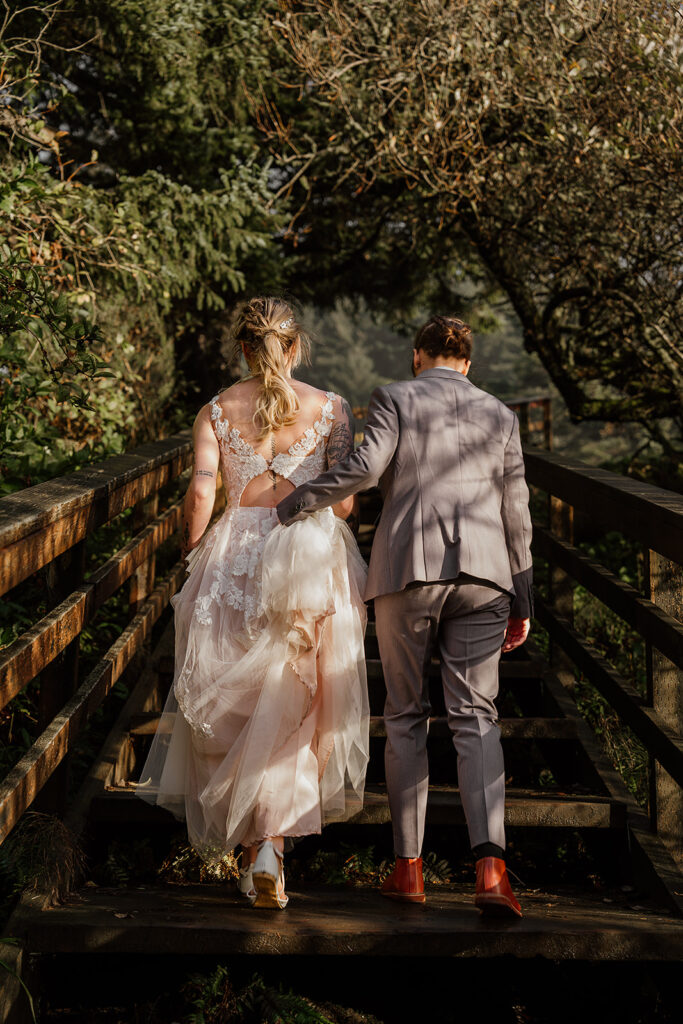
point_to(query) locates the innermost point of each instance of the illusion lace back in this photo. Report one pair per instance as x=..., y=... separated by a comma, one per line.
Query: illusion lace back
x=265, y=730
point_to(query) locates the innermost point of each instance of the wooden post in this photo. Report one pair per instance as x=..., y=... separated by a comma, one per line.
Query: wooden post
x=561, y=587
x=142, y=580
x=665, y=694
x=58, y=682
x=523, y=414
x=548, y=422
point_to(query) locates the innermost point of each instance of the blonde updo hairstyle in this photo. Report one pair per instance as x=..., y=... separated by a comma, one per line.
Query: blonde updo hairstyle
x=273, y=342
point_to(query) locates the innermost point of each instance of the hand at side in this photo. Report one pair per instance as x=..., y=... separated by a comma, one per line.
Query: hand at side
x=517, y=632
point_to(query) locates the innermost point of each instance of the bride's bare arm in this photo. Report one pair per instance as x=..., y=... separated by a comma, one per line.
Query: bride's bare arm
x=201, y=491
x=339, y=445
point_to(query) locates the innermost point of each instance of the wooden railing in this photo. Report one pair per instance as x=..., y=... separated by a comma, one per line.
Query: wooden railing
x=535, y=419
x=46, y=528
x=591, y=502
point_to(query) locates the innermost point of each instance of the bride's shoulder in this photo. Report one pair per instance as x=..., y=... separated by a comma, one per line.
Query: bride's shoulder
x=310, y=396
x=230, y=398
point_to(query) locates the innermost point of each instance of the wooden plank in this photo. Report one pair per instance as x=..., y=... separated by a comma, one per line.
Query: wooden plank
x=59, y=680
x=213, y=921
x=41, y=522
x=663, y=630
x=143, y=579
x=511, y=728
x=524, y=808
x=650, y=514
x=146, y=695
x=28, y=655
x=665, y=693
x=26, y=779
x=560, y=585
x=513, y=668
x=647, y=724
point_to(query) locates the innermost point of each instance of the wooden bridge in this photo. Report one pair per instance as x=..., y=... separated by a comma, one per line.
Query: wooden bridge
x=561, y=785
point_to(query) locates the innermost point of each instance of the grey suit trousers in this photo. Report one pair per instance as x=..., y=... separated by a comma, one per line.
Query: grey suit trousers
x=467, y=622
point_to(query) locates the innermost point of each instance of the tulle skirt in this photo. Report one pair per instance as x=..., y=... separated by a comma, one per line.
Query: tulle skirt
x=265, y=729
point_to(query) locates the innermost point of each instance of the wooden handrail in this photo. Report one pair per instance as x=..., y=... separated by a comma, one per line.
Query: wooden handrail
x=44, y=527
x=28, y=655
x=648, y=514
x=662, y=630
x=41, y=522
x=653, y=518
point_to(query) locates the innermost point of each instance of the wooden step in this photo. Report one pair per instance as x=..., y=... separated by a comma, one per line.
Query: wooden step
x=524, y=808
x=511, y=728
x=518, y=670
x=213, y=920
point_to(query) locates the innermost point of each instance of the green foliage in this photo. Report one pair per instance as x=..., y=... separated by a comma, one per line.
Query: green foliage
x=359, y=867
x=216, y=1001
x=113, y=262
x=543, y=140
x=128, y=861
x=183, y=865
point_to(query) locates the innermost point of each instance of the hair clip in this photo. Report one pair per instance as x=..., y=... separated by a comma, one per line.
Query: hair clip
x=286, y=323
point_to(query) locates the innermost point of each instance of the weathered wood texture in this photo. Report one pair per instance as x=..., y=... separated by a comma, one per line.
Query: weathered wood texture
x=326, y=922
x=530, y=425
x=651, y=621
x=665, y=685
x=649, y=514
x=653, y=518
x=39, y=523
x=46, y=527
x=524, y=808
x=650, y=726
x=22, y=660
x=26, y=779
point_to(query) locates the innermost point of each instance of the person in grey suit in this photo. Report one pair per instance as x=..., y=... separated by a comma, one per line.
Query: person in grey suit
x=451, y=566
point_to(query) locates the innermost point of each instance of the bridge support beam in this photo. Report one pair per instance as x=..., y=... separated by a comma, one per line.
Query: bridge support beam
x=665, y=695
x=561, y=588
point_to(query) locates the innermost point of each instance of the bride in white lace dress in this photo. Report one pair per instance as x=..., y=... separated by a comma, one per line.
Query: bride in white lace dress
x=265, y=731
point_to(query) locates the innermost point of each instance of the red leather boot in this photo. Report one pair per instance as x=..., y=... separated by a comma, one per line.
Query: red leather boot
x=405, y=881
x=494, y=895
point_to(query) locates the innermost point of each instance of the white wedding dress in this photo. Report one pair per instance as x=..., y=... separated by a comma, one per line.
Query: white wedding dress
x=265, y=729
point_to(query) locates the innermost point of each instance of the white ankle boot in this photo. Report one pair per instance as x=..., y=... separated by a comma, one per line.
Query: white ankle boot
x=269, y=877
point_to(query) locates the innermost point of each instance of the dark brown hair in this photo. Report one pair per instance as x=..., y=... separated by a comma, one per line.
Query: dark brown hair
x=445, y=336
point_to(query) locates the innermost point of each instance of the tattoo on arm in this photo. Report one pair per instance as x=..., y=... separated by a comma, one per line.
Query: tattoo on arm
x=348, y=412
x=204, y=472
x=339, y=444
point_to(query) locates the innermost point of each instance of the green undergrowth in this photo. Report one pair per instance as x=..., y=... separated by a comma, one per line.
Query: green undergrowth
x=134, y=861
x=215, y=1000
x=622, y=648
x=215, y=997
x=361, y=867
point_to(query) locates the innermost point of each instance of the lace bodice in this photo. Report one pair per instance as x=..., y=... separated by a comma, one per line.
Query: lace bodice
x=240, y=464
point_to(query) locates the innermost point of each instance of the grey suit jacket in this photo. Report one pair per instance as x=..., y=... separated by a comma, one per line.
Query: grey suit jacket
x=448, y=459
